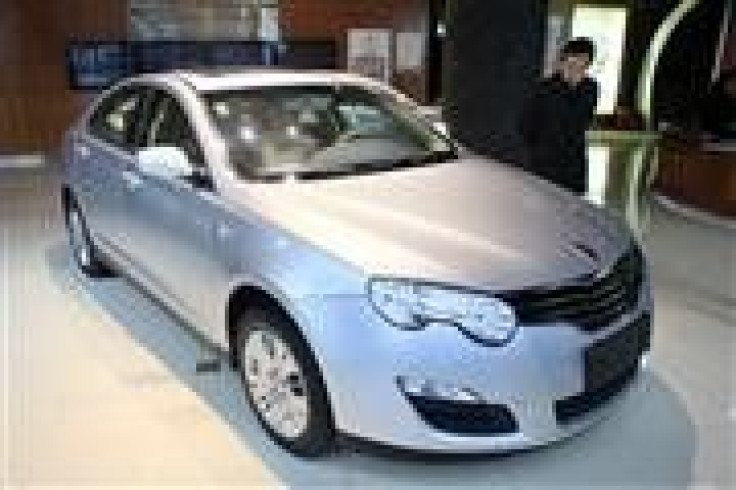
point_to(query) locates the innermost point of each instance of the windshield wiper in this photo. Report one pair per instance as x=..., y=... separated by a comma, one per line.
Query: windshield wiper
x=425, y=159
x=344, y=169
x=302, y=172
x=277, y=174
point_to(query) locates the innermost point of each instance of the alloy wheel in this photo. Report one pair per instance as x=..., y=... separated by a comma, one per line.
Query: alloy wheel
x=276, y=383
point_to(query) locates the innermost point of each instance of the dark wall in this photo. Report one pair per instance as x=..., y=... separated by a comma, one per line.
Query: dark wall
x=683, y=76
x=728, y=61
x=435, y=52
x=645, y=17
x=494, y=52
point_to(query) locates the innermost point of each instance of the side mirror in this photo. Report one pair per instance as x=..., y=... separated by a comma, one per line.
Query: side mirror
x=441, y=127
x=166, y=162
x=431, y=112
x=433, y=115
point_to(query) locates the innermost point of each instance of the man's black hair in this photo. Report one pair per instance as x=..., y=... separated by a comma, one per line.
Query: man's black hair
x=579, y=45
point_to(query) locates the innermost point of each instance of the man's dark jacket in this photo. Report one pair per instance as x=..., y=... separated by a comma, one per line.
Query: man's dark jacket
x=552, y=126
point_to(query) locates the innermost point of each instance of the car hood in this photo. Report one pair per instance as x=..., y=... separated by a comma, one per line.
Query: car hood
x=474, y=222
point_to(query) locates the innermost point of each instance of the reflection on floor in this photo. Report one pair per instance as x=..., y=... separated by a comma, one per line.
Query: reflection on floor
x=33, y=160
x=99, y=386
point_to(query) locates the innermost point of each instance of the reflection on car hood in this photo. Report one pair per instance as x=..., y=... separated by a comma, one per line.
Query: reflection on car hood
x=475, y=222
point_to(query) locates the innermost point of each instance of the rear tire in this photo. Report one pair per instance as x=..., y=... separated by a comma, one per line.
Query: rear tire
x=283, y=384
x=86, y=256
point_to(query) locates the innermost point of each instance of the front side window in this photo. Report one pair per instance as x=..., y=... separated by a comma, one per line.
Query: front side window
x=115, y=117
x=170, y=126
x=322, y=129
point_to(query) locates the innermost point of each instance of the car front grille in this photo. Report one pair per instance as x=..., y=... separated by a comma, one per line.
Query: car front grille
x=589, y=302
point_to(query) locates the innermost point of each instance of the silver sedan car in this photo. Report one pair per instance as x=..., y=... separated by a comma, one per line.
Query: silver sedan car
x=365, y=275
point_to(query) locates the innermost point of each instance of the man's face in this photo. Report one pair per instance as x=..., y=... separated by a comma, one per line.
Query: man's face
x=574, y=67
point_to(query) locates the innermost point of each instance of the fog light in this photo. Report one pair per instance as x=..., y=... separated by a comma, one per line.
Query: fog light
x=416, y=387
x=644, y=361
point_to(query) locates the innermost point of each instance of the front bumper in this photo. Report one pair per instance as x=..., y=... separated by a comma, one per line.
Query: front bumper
x=361, y=357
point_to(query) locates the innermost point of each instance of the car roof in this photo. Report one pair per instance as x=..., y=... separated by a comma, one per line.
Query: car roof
x=233, y=78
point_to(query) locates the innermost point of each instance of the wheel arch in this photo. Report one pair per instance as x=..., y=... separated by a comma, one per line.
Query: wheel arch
x=67, y=198
x=247, y=295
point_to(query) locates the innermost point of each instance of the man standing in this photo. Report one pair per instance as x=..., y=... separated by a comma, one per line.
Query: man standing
x=556, y=116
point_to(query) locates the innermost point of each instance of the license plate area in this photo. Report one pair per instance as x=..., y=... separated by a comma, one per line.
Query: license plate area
x=612, y=357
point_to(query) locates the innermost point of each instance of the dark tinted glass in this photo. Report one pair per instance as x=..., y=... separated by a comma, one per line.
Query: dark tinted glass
x=170, y=126
x=115, y=119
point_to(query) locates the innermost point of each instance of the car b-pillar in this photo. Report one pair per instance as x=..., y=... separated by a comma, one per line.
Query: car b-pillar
x=493, y=55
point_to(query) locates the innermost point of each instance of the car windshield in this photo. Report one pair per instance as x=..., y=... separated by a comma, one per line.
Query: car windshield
x=316, y=131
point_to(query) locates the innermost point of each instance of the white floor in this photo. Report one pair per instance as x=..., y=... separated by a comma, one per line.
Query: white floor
x=99, y=387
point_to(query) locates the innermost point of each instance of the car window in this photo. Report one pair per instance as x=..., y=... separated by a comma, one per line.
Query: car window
x=322, y=129
x=115, y=117
x=363, y=118
x=170, y=126
x=362, y=115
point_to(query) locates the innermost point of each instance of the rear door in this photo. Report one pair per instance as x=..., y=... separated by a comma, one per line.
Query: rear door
x=106, y=152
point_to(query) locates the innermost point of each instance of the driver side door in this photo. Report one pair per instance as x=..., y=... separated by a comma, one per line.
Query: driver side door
x=173, y=217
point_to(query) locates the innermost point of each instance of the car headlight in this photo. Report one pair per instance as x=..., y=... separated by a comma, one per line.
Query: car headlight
x=413, y=305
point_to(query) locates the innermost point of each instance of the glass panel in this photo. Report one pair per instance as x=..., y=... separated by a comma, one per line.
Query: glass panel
x=322, y=128
x=113, y=120
x=171, y=127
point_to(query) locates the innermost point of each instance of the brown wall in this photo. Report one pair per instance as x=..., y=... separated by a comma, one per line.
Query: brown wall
x=333, y=18
x=690, y=174
x=35, y=102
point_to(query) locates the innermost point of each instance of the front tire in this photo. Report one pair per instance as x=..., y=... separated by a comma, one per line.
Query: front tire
x=283, y=384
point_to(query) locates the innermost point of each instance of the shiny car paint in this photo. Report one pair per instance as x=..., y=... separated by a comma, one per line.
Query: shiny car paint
x=314, y=245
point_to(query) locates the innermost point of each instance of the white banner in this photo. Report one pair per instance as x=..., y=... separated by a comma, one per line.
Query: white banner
x=409, y=50
x=369, y=53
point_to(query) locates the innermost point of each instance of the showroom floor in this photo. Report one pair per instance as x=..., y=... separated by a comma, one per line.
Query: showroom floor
x=99, y=385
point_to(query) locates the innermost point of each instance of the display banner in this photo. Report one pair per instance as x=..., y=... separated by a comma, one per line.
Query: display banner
x=94, y=65
x=369, y=53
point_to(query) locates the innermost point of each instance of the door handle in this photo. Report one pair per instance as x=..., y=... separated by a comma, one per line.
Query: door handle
x=132, y=180
x=225, y=230
x=82, y=150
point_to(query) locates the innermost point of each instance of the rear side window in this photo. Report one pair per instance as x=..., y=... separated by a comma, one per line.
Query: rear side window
x=115, y=119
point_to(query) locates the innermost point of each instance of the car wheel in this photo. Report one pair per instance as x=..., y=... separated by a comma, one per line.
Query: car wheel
x=83, y=250
x=283, y=384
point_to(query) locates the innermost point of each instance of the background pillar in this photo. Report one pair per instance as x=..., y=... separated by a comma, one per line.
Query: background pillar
x=494, y=54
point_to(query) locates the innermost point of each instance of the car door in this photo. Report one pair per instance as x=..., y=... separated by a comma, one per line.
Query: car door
x=173, y=219
x=105, y=151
